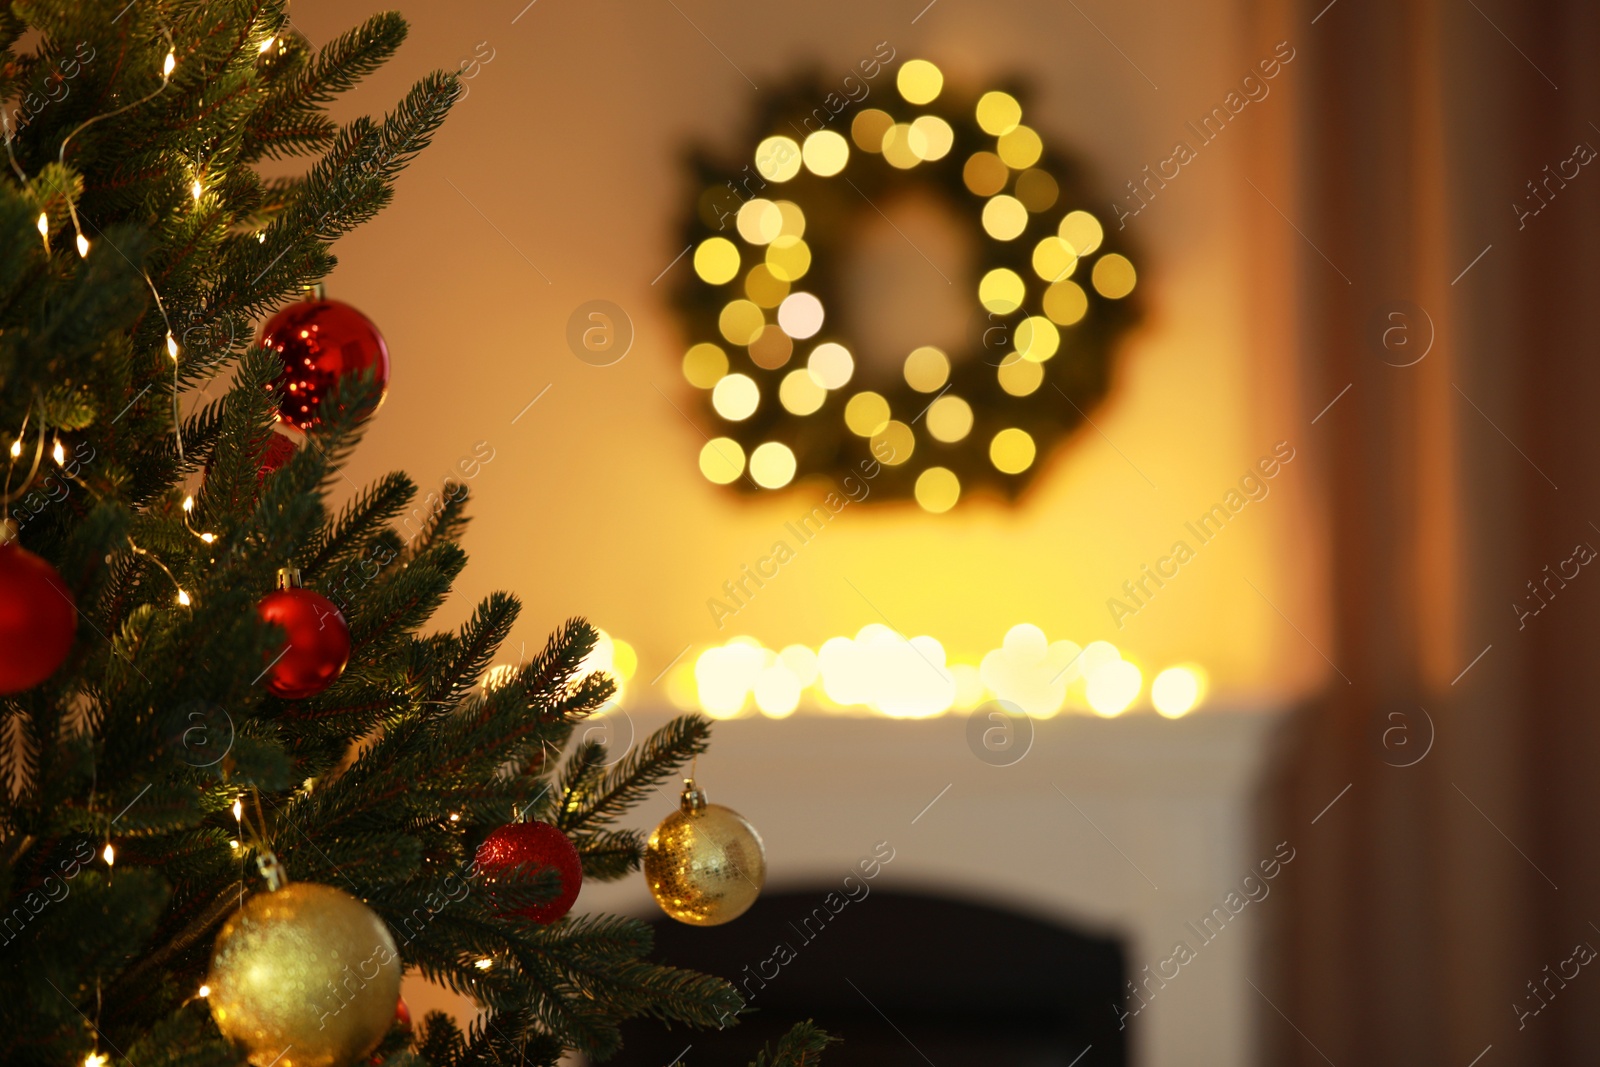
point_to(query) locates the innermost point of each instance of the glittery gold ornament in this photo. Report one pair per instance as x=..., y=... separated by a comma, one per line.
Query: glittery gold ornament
x=306, y=976
x=704, y=864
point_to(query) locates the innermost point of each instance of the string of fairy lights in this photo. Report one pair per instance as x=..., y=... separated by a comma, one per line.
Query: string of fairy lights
x=57, y=451
x=83, y=245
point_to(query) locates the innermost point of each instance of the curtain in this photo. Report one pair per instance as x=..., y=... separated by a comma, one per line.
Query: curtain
x=1461, y=495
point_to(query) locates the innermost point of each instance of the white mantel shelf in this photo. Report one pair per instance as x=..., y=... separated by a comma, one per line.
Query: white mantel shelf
x=1175, y=797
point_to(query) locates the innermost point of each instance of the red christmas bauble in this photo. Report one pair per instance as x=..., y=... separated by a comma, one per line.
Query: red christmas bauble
x=37, y=618
x=318, y=646
x=538, y=845
x=402, y=1015
x=279, y=451
x=320, y=341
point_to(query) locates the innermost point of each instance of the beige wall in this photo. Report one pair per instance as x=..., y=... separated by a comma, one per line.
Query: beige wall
x=569, y=146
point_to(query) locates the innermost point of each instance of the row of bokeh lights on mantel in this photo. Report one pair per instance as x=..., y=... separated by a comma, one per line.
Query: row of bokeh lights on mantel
x=881, y=672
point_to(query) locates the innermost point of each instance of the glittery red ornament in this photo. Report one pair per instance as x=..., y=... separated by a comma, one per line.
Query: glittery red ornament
x=536, y=845
x=319, y=342
x=37, y=616
x=319, y=640
x=279, y=451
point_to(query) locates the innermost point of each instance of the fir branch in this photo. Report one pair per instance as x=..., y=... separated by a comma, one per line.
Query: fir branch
x=287, y=121
x=639, y=775
x=371, y=508
x=802, y=1046
x=610, y=854
x=480, y=638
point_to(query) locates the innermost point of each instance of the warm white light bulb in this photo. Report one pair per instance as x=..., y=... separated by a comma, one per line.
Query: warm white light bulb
x=268, y=43
x=233, y=844
x=197, y=190
x=16, y=448
x=167, y=66
x=188, y=503
x=172, y=345
x=95, y=1059
x=183, y=598
x=485, y=963
x=110, y=854
x=44, y=224
x=454, y=817
x=83, y=246
x=208, y=538
x=205, y=991
x=58, y=454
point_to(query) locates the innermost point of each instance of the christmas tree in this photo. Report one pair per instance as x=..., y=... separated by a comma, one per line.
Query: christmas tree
x=188, y=760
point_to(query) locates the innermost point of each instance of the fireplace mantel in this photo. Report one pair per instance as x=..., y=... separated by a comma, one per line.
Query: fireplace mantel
x=1136, y=827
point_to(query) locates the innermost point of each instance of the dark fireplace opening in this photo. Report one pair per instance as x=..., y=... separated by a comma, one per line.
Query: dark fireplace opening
x=903, y=979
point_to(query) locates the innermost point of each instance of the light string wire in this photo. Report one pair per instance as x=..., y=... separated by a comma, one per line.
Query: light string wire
x=6, y=495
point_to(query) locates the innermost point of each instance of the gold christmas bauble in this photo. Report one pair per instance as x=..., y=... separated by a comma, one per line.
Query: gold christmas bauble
x=306, y=976
x=704, y=864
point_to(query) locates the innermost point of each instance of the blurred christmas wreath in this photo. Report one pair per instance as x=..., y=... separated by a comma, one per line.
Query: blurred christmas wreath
x=798, y=383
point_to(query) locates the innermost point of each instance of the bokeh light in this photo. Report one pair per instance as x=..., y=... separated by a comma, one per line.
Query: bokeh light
x=763, y=288
x=778, y=159
x=1038, y=190
x=716, y=260
x=1001, y=291
x=937, y=490
x=788, y=258
x=894, y=444
x=949, y=419
x=800, y=394
x=919, y=81
x=927, y=369
x=1019, y=376
x=736, y=397
x=1065, y=303
x=868, y=127
x=1004, y=218
x=800, y=315
x=1112, y=688
x=1054, y=259
x=825, y=153
x=932, y=138
x=1020, y=148
x=884, y=672
x=1037, y=339
x=741, y=322
x=772, y=465
x=998, y=113
x=772, y=348
x=984, y=174
x=759, y=221
x=831, y=365
x=1012, y=450
x=904, y=146
x=704, y=365
x=722, y=460
x=1113, y=276
x=867, y=413
x=1082, y=231
x=1177, y=691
